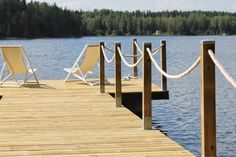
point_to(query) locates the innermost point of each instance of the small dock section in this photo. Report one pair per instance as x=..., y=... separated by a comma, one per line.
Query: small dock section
x=73, y=119
x=133, y=88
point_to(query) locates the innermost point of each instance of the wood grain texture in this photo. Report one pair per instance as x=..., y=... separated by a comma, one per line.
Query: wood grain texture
x=102, y=69
x=134, y=49
x=208, y=100
x=147, y=88
x=73, y=120
x=118, y=95
x=163, y=65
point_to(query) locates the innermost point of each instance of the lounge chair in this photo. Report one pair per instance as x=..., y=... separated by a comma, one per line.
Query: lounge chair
x=16, y=63
x=90, y=56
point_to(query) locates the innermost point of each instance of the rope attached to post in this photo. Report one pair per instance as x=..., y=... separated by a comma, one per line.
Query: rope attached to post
x=139, y=50
x=109, y=49
x=179, y=76
x=126, y=63
x=154, y=51
x=132, y=56
x=106, y=58
x=222, y=69
x=157, y=49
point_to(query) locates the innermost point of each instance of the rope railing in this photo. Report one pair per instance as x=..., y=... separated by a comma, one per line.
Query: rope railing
x=105, y=56
x=154, y=51
x=207, y=73
x=109, y=49
x=157, y=49
x=126, y=63
x=132, y=56
x=179, y=76
x=139, y=50
x=227, y=76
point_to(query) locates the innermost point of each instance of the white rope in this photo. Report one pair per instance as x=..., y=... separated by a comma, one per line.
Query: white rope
x=157, y=49
x=153, y=51
x=139, y=50
x=222, y=69
x=104, y=54
x=109, y=49
x=126, y=63
x=132, y=56
x=188, y=71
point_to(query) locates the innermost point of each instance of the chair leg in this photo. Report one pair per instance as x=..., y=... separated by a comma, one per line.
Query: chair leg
x=36, y=79
x=67, y=77
x=26, y=77
x=6, y=78
x=17, y=82
x=3, y=68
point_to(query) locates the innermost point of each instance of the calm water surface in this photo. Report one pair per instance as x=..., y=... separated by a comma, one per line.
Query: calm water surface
x=178, y=117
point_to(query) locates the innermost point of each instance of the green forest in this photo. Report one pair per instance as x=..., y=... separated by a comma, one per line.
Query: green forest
x=32, y=20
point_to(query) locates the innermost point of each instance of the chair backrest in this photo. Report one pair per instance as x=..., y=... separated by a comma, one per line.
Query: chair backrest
x=91, y=57
x=13, y=58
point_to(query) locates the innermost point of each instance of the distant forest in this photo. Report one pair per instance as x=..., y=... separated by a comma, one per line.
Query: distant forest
x=35, y=19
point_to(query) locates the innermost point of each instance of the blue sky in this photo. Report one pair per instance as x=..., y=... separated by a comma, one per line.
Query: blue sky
x=153, y=5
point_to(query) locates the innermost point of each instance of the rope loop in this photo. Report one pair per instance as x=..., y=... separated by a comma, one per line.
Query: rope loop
x=109, y=49
x=154, y=52
x=227, y=76
x=132, y=56
x=126, y=63
x=139, y=50
x=179, y=76
x=105, y=56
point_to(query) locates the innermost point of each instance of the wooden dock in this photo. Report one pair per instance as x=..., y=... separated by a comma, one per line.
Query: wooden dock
x=74, y=119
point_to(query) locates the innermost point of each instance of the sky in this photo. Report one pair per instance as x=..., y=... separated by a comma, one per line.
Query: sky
x=153, y=5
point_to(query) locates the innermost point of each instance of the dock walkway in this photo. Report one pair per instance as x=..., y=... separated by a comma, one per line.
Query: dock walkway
x=71, y=120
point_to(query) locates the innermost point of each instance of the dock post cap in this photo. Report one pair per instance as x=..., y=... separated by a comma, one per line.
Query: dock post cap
x=207, y=41
x=147, y=43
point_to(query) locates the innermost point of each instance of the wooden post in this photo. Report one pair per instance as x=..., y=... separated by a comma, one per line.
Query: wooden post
x=147, y=88
x=208, y=100
x=118, y=94
x=163, y=65
x=134, y=49
x=102, y=69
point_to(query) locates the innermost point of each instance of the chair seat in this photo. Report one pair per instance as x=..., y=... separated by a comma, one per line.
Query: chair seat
x=16, y=63
x=80, y=70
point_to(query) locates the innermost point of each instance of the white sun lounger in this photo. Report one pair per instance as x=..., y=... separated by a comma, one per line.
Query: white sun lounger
x=16, y=63
x=90, y=55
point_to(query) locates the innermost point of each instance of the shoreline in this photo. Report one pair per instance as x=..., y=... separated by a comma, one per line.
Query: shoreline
x=24, y=38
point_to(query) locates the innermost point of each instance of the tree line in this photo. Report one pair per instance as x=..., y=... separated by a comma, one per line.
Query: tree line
x=35, y=19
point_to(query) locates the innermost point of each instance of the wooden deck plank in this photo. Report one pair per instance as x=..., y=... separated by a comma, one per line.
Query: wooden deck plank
x=74, y=119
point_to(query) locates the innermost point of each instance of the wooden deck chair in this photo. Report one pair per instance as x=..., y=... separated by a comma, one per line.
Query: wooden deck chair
x=90, y=56
x=17, y=63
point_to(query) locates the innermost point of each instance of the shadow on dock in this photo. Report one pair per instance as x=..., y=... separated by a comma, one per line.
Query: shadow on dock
x=133, y=102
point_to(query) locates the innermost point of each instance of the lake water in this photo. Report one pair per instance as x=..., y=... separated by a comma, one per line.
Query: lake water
x=178, y=117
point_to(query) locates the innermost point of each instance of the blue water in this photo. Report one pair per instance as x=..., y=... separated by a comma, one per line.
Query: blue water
x=178, y=117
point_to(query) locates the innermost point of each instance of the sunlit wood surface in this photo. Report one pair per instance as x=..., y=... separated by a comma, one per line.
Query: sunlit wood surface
x=73, y=119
